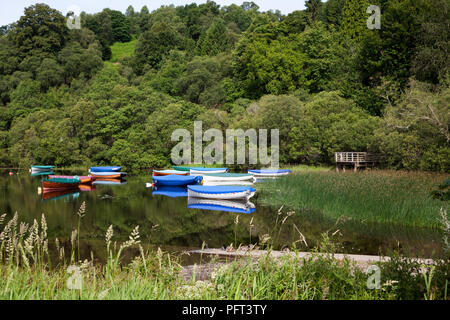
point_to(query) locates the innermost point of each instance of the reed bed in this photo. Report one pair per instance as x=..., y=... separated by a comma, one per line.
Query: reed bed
x=374, y=196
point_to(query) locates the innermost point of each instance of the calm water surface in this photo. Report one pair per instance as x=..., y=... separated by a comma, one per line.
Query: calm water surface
x=168, y=222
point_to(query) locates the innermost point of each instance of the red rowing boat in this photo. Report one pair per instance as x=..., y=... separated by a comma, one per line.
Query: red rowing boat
x=83, y=179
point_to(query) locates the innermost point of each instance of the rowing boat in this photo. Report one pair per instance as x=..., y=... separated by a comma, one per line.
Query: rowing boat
x=105, y=169
x=201, y=171
x=182, y=168
x=175, y=180
x=228, y=177
x=35, y=169
x=57, y=184
x=269, y=172
x=168, y=172
x=83, y=179
x=221, y=192
x=228, y=183
x=108, y=175
x=221, y=205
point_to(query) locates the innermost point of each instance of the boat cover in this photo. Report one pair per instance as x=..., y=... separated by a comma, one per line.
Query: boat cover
x=176, y=180
x=220, y=189
x=269, y=171
x=106, y=169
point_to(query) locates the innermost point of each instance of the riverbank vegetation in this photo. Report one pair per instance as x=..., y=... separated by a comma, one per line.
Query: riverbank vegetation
x=114, y=90
x=389, y=197
x=27, y=271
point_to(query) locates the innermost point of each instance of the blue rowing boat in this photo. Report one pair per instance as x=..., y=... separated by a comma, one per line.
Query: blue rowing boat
x=176, y=180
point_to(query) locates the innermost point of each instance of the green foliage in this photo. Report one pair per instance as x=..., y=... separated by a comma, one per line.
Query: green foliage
x=202, y=82
x=41, y=30
x=214, y=40
x=318, y=75
x=354, y=19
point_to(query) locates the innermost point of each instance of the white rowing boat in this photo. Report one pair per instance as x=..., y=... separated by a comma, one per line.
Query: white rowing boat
x=221, y=192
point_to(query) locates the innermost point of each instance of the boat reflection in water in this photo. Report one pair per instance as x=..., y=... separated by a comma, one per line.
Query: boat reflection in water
x=44, y=173
x=221, y=205
x=69, y=194
x=170, y=191
x=100, y=181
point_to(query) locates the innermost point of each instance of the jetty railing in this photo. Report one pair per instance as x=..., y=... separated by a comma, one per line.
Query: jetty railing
x=356, y=159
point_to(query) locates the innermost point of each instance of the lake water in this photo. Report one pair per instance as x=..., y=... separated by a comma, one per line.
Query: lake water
x=169, y=223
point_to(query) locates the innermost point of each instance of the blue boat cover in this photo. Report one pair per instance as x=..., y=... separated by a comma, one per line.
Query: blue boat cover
x=216, y=207
x=173, y=192
x=268, y=171
x=176, y=180
x=220, y=189
x=106, y=169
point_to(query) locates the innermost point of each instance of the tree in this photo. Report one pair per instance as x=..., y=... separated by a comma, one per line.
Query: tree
x=42, y=29
x=430, y=61
x=165, y=34
x=313, y=8
x=50, y=73
x=215, y=40
x=304, y=60
x=332, y=12
x=296, y=21
x=237, y=15
x=354, y=19
x=202, y=81
x=120, y=27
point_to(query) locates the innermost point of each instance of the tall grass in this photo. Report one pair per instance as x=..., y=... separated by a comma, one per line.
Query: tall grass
x=26, y=273
x=377, y=196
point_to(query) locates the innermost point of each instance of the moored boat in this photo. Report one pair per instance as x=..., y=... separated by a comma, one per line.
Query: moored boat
x=169, y=172
x=57, y=184
x=221, y=205
x=228, y=177
x=228, y=183
x=269, y=172
x=106, y=169
x=201, y=171
x=83, y=179
x=108, y=175
x=221, y=192
x=35, y=169
x=175, y=180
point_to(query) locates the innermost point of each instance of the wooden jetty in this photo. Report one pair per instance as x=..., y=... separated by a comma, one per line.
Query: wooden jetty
x=356, y=159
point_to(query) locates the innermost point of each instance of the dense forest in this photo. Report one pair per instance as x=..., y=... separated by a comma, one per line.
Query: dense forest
x=320, y=75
